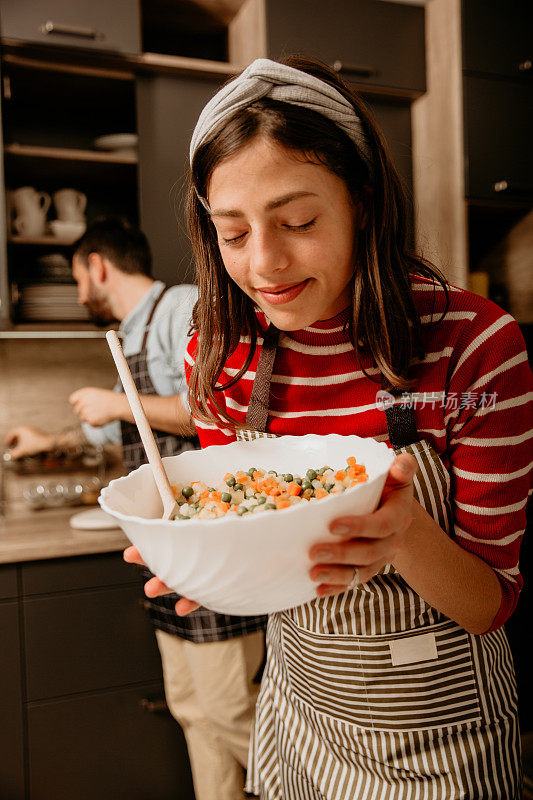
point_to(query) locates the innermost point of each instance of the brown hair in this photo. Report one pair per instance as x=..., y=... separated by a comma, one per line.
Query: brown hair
x=384, y=317
x=118, y=240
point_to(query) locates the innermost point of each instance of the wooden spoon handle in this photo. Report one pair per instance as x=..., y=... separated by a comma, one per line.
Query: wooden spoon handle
x=145, y=432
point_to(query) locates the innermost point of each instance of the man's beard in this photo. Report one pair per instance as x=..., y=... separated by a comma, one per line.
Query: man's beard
x=99, y=309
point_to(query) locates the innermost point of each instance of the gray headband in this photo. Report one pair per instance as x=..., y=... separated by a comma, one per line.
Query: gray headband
x=266, y=78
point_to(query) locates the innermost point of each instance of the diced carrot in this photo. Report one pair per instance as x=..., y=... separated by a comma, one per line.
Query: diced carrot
x=294, y=489
x=351, y=461
x=216, y=495
x=350, y=472
x=257, y=474
x=340, y=475
x=280, y=503
x=319, y=493
x=223, y=506
x=228, y=475
x=204, y=494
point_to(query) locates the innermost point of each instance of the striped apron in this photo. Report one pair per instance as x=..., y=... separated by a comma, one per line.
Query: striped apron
x=375, y=695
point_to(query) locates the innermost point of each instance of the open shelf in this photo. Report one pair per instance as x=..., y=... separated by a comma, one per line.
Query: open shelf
x=69, y=153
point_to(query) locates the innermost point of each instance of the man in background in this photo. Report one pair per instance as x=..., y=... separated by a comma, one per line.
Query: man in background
x=209, y=660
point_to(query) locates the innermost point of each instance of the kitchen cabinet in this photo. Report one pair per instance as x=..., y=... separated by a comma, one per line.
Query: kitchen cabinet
x=11, y=730
x=473, y=179
x=97, y=25
x=497, y=38
x=376, y=44
x=49, y=144
x=83, y=687
x=167, y=110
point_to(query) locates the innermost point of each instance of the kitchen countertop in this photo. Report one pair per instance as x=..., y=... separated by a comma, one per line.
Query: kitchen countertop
x=33, y=535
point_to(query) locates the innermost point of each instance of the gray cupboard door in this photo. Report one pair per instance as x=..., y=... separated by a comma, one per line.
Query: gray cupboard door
x=11, y=729
x=377, y=43
x=167, y=110
x=98, y=25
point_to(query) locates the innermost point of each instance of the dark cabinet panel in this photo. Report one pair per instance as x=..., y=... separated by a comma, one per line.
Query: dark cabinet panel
x=11, y=729
x=8, y=581
x=88, y=641
x=106, y=746
x=378, y=43
x=497, y=37
x=85, y=572
x=97, y=25
x=497, y=118
x=167, y=109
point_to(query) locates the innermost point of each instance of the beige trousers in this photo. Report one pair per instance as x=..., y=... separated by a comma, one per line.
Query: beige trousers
x=210, y=692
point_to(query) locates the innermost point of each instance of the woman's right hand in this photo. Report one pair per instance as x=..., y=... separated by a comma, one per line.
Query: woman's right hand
x=155, y=587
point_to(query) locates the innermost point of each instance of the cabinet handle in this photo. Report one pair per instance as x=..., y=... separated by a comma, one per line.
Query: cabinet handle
x=515, y=188
x=70, y=30
x=524, y=66
x=154, y=706
x=354, y=69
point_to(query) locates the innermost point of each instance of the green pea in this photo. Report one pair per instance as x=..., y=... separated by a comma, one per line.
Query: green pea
x=226, y=497
x=321, y=471
x=181, y=516
x=311, y=474
x=288, y=477
x=238, y=487
x=298, y=481
x=231, y=481
x=261, y=500
x=210, y=488
x=306, y=484
x=251, y=472
x=270, y=506
x=328, y=487
x=272, y=472
x=187, y=491
x=242, y=510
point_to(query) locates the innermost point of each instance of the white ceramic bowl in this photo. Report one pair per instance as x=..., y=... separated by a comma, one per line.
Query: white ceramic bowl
x=67, y=230
x=257, y=563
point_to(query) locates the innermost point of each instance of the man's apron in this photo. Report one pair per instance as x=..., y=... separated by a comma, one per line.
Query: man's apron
x=133, y=454
x=375, y=695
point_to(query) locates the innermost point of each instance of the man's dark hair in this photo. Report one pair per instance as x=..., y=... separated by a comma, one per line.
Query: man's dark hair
x=118, y=240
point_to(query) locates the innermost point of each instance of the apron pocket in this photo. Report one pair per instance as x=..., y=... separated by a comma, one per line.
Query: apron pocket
x=415, y=680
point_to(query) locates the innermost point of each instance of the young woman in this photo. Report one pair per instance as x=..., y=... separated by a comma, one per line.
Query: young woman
x=314, y=316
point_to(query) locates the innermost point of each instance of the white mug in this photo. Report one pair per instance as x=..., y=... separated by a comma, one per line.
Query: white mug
x=30, y=207
x=70, y=205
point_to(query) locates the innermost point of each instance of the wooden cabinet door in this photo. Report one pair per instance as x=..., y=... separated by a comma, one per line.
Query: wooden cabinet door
x=97, y=25
x=497, y=37
x=378, y=43
x=167, y=110
x=108, y=746
x=497, y=116
x=11, y=729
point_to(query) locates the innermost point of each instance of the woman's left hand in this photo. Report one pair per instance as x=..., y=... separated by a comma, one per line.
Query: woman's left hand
x=369, y=541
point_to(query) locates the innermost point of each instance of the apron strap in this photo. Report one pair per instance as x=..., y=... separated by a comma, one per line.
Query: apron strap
x=151, y=316
x=401, y=423
x=257, y=415
x=400, y=418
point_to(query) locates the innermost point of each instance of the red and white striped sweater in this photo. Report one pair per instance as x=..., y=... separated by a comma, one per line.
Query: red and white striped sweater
x=472, y=402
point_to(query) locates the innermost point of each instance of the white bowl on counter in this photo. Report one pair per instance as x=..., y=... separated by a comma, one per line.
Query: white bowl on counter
x=257, y=563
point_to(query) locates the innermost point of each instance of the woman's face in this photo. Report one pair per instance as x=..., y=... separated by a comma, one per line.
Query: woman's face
x=286, y=230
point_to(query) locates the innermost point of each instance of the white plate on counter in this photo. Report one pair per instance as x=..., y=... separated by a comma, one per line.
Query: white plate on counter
x=93, y=520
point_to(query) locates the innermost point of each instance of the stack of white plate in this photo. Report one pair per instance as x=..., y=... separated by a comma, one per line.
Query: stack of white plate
x=53, y=302
x=119, y=143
